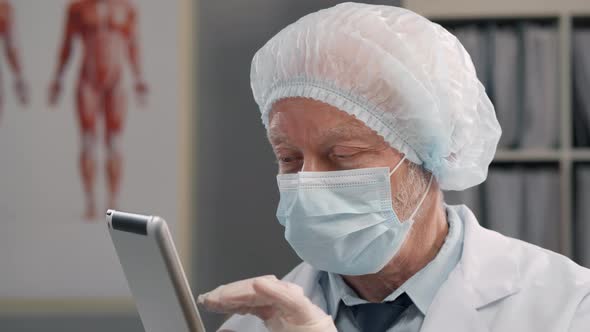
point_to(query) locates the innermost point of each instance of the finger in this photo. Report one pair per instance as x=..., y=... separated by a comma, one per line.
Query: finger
x=235, y=291
x=264, y=313
x=287, y=298
x=232, y=297
x=227, y=298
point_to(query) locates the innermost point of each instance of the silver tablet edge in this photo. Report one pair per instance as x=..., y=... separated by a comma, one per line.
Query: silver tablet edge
x=158, y=227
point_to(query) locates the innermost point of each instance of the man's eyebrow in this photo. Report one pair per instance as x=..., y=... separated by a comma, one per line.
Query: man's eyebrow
x=276, y=137
x=347, y=132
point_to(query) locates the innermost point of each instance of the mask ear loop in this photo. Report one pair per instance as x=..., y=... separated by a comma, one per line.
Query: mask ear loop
x=397, y=166
x=423, y=198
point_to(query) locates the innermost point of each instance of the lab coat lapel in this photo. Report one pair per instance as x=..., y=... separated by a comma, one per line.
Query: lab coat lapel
x=487, y=272
x=453, y=308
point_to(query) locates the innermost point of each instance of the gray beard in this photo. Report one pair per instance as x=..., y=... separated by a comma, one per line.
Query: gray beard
x=410, y=191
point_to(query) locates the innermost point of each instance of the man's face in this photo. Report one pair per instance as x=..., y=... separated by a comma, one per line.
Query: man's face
x=311, y=136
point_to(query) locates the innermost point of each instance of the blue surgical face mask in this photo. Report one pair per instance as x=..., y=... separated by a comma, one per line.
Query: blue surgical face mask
x=343, y=221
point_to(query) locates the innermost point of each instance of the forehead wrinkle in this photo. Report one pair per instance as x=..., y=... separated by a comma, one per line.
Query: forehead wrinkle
x=275, y=136
x=349, y=130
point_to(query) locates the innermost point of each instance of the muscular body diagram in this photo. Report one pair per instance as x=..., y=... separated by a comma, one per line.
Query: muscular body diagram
x=7, y=34
x=107, y=31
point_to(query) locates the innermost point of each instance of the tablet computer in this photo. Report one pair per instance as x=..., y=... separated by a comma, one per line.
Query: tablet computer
x=154, y=273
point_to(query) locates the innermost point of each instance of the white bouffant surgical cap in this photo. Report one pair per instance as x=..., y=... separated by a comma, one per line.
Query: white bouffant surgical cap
x=406, y=78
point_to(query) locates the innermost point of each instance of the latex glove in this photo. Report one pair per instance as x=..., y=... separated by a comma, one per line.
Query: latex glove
x=281, y=305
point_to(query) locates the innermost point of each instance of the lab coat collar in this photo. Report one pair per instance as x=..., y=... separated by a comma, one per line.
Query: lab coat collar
x=488, y=271
x=489, y=262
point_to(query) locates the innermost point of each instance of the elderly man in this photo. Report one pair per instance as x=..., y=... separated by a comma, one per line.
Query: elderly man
x=371, y=112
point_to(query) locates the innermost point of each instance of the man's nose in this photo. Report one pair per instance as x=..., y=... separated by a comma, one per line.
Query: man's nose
x=316, y=164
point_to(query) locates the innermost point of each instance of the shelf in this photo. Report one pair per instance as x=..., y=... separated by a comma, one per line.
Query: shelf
x=456, y=21
x=542, y=155
x=581, y=154
x=498, y=8
x=527, y=155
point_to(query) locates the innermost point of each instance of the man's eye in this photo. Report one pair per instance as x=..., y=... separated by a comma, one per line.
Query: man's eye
x=344, y=153
x=287, y=159
x=345, y=156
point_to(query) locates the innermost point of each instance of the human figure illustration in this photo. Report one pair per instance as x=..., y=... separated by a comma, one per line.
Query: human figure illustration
x=7, y=35
x=107, y=30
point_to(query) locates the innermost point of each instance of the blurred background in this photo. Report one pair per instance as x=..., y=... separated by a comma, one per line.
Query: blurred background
x=533, y=57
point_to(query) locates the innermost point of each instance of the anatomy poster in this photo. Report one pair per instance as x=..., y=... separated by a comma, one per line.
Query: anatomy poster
x=91, y=115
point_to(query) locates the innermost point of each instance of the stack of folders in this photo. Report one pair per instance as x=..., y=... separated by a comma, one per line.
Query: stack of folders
x=582, y=216
x=518, y=201
x=581, y=74
x=518, y=65
x=524, y=202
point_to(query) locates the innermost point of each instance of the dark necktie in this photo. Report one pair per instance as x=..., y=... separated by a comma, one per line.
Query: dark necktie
x=378, y=317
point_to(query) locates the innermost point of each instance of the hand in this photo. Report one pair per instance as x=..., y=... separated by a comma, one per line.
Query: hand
x=22, y=91
x=281, y=305
x=141, y=91
x=54, y=91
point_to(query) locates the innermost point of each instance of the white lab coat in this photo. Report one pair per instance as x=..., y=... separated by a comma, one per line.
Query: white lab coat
x=500, y=284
